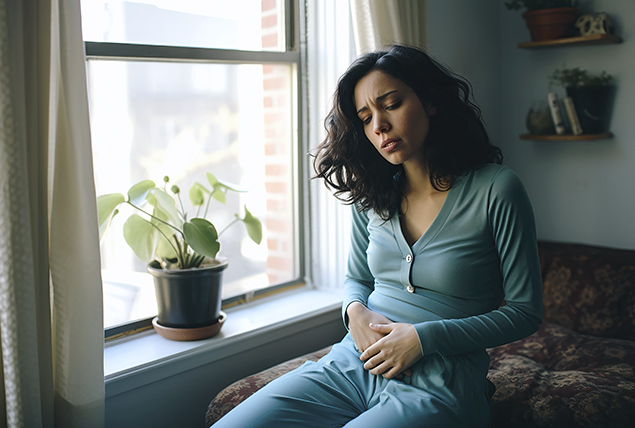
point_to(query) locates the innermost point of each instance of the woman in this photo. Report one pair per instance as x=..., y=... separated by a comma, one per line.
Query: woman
x=441, y=235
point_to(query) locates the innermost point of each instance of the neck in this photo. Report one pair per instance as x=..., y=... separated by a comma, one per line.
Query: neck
x=417, y=179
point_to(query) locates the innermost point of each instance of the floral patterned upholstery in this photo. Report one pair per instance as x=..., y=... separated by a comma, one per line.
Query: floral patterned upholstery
x=578, y=370
x=560, y=378
x=238, y=391
x=589, y=289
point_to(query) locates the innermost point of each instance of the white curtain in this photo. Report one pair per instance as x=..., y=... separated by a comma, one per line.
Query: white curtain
x=51, y=326
x=330, y=50
x=378, y=23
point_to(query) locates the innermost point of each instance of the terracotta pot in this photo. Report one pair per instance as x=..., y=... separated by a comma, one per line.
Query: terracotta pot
x=188, y=298
x=549, y=24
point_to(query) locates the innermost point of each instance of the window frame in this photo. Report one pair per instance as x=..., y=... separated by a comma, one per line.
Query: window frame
x=294, y=55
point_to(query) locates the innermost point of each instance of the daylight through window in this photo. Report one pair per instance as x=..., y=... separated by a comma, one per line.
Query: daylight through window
x=189, y=87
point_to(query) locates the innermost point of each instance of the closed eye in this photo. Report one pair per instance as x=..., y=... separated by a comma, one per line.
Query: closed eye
x=393, y=106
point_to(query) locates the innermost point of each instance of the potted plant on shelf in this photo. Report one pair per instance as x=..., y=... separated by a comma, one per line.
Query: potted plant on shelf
x=592, y=96
x=181, y=251
x=547, y=19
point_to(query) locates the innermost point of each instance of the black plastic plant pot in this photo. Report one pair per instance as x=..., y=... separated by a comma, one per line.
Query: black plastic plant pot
x=593, y=105
x=188, y=298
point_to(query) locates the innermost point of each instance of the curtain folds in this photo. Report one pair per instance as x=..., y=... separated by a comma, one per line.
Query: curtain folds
x=378, y=23
x=330, y=50
x=51, y=322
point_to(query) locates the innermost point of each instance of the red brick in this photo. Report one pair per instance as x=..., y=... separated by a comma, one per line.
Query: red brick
x=270, y=84
x=271, y=149
x=269, y=41
x=270, y=21
x=281, y=263
x=276, y=188
x=272, y=118
x=268, y=5
x=272, y=244
x=276, y=170
x=274, y=225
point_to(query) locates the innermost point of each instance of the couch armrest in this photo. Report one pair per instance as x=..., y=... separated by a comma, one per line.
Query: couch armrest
x=238, y=391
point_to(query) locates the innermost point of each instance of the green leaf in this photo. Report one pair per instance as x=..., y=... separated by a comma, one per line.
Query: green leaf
x=140, y=235
x=106, y=210
x=106, y=204
x=164, y=203
x=254, y=227
x=219, y=194
x=197, y=194
x=164, y=249
x=138, y=192
x=103, y=228
x=216, y=183
x=201, y=235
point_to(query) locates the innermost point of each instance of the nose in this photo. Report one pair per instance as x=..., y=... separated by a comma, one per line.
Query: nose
x=380, y=124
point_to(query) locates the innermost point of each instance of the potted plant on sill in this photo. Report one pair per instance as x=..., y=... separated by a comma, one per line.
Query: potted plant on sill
x=592, y=96
x=182, y=252
x=547, y=19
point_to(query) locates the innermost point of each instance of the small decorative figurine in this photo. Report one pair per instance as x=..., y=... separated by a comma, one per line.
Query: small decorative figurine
x=598, y=23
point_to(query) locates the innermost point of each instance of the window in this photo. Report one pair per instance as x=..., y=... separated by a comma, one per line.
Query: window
x=180, y=88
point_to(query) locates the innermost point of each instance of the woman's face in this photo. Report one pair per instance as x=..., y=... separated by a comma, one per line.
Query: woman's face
x=394, y=119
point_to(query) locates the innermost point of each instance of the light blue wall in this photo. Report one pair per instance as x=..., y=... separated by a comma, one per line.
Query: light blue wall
x=464, y=35
x=581, y=191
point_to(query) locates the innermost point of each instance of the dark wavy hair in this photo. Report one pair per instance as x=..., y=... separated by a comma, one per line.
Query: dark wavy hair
x=457, y=140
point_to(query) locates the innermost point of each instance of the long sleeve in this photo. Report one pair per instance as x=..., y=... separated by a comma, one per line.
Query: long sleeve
x=511, y=222
x=359, y=281
x=481, y=249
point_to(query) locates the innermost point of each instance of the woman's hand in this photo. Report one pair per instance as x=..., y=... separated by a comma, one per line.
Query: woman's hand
x=359, y=319
x=395, y=352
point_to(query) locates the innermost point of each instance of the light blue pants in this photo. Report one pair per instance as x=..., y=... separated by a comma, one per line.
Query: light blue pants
x=337, y=392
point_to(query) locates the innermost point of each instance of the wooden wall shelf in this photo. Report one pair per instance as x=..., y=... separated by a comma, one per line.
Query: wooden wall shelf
x=582, y=137
x=594, y=39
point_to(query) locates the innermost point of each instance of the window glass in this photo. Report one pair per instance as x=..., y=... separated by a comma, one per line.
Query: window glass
x=151, y=119
x=223, y=24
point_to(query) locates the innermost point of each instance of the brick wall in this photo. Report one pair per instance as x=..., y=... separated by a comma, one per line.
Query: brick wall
x=277, y=126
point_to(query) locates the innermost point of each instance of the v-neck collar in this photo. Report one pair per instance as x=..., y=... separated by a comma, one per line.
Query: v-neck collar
x=436, y=225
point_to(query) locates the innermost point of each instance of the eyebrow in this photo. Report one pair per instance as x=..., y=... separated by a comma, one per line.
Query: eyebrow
x=379, y=98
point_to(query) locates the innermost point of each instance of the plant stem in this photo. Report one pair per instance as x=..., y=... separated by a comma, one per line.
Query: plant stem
x=229, y=225
x=208, y=202
x=179, y=252
x=183, y=214
x=155, y=217
x=165, y=236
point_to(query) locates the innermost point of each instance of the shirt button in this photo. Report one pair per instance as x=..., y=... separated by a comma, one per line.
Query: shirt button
x=410, y=289
x=408, y=258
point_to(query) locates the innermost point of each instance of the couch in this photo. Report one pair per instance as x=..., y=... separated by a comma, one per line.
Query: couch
x=577, y=370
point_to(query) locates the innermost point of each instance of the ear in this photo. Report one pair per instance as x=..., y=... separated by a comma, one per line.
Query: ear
x=431, y=110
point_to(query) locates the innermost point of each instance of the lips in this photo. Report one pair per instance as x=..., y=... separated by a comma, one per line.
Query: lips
x=389, y=144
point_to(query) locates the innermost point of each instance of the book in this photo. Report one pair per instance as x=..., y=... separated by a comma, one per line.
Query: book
x=576, y=129
x=556, y=113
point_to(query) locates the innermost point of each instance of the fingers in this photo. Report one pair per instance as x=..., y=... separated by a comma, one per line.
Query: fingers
x=381, y=328
x=384, y=369
x=376, y=346
x=394, y=353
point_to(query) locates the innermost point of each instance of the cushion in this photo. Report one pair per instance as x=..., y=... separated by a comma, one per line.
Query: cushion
x=561, y=378
x=589, y=289
x=238, y=391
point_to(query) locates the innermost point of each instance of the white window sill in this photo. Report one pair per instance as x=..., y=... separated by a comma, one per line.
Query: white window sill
x=147, y=357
